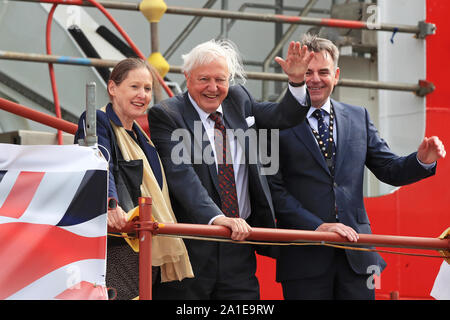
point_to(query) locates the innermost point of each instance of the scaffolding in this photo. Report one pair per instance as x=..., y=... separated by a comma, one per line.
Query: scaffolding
x=228, y=18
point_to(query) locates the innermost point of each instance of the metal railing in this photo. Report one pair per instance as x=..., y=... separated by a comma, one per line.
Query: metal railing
x=145, y=228
x=38, y=116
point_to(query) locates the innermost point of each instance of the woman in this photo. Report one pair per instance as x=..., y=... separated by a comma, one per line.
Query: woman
x=130, y=91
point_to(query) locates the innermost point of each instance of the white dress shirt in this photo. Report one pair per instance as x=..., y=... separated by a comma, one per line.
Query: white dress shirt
x=301, y=94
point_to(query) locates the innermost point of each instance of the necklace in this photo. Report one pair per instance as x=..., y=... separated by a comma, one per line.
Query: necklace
x=327, y=149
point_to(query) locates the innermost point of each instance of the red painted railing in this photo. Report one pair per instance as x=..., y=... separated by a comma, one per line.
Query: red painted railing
x=38, y=116
x=145, y=228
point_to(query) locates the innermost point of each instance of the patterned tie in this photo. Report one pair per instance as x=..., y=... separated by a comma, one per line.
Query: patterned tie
x=227, y=183
x=325, y=139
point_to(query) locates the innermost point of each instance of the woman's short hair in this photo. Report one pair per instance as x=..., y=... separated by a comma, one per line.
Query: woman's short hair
x=207, y=52
x=317, y=44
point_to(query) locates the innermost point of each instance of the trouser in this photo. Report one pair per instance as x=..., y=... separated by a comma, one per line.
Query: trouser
x=339, y=282
x=227, y=274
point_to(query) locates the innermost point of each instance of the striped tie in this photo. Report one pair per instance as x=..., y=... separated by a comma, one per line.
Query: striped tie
x=227, y=183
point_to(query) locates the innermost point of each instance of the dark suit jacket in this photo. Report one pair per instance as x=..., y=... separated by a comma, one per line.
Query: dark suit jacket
x=194, y=186
x=305, y=194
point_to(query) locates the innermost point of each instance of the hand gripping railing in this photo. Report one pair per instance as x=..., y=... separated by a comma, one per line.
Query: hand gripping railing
x=146, y=227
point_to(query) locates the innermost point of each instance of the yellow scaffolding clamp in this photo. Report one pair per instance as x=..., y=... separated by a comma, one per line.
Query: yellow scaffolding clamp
x=153, y=10
x=157, y=60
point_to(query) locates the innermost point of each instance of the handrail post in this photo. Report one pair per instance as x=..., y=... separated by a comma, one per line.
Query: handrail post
x=145, y=249
x=90, y=127
x=90, y=138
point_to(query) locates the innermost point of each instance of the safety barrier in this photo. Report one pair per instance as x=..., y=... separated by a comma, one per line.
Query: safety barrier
x=145, y=227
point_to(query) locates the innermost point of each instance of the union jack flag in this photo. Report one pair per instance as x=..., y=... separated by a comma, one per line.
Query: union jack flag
x=52, y=222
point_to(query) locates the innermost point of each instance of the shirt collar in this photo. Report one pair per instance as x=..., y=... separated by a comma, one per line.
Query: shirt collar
x=203, y=115
x=326, y=106
x=112, y=115
x=115, y=119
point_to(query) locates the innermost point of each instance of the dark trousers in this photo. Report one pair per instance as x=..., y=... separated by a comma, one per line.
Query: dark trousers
x=228, y=274
x=339, y=282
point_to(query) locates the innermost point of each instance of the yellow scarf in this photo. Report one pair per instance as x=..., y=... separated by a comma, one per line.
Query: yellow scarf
x=167, y=252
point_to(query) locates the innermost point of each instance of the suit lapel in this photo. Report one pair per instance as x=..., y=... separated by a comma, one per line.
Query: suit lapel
x=234, y=120
x=200, y=138
x=304, y=133
x=191, y=118
x=343, y=131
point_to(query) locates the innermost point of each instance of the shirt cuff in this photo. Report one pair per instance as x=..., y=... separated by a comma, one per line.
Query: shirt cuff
x=214, y=218
x=299, y=93
x=426, y=166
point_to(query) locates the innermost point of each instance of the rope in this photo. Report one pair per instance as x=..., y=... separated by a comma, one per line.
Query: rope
x=322, y=243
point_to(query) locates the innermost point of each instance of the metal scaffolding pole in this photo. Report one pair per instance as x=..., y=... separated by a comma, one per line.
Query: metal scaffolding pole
x=422, y=88
x=422, y=29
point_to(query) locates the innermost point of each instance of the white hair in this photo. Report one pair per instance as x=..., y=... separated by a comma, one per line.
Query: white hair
x=207, y=52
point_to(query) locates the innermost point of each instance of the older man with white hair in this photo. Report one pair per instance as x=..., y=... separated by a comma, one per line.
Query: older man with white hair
x=230, y=190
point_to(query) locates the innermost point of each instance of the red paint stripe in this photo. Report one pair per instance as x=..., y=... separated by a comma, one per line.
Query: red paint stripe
x=287, y=18
x=21, y=194
x=30, y=251
x=344, y=23
x=341, y=23
x=67, y=2
x=84, y=291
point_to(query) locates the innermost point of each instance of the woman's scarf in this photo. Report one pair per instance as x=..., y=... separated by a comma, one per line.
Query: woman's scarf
x=167, y=252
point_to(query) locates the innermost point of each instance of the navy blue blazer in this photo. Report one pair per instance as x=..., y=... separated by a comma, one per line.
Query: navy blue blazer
x=305, y=194
x=105, y=135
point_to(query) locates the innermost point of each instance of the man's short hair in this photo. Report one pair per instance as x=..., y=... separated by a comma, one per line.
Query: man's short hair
x=316, y=44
